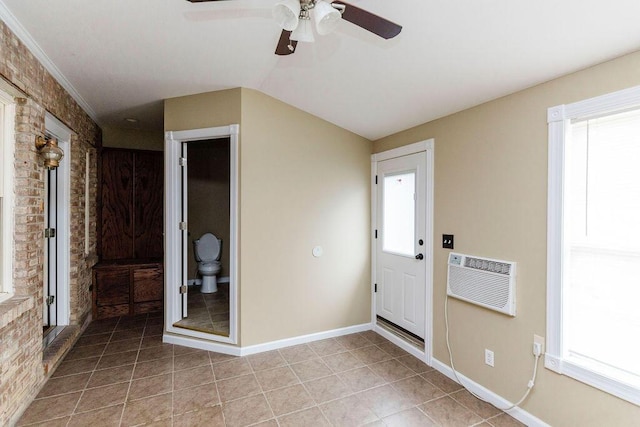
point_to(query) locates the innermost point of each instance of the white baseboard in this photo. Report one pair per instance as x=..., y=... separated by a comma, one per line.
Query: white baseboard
x=259, y=348
x=303, y=339
x=491, y=397
x=201, y=344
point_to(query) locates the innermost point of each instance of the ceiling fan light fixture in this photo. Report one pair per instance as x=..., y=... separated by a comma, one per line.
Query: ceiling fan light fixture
x=286, y=13
x=326, y=17
x=303, y=32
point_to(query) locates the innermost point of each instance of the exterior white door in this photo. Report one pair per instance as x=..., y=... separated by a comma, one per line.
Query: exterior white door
x=400, y=242
x=51, y=249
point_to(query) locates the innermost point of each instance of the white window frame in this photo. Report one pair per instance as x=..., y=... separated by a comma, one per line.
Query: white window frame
x=559, y=119
x=7, y=144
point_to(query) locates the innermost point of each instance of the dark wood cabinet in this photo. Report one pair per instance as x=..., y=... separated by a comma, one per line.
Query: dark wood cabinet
x=129, y=277
x=131, y=208
x=127, y=287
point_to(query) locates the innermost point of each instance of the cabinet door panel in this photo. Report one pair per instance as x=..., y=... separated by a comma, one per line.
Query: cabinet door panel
x=112, y=287
x=148, y=196
x=117, y=205
x=147, y=284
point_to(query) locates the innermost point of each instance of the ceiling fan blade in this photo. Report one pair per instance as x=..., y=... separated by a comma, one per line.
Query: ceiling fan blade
x=285, y=45
x=370, y=22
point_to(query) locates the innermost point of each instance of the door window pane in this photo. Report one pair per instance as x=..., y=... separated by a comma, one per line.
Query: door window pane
x=398, y=213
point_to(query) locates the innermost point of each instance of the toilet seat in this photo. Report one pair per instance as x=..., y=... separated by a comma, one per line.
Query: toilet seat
x=207, y=248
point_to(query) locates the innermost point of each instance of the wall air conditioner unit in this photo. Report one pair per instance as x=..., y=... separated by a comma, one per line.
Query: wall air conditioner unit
x=486, y=282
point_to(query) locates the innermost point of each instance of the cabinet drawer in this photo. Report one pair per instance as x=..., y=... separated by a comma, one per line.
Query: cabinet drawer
x=112, y=287
x=147, y=284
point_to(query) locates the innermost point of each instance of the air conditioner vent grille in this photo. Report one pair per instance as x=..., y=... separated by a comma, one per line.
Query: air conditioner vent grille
x=485, y=282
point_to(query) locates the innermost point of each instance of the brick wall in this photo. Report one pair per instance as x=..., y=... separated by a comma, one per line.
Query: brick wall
x=21, y=354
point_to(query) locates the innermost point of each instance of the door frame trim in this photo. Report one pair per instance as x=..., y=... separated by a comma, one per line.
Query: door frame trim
x=427, y=146
x=172, y=234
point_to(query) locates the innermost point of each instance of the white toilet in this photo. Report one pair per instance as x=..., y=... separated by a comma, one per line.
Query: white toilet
x=207, y=250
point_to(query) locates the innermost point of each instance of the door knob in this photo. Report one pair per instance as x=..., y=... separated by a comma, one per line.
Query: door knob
x=419, y=256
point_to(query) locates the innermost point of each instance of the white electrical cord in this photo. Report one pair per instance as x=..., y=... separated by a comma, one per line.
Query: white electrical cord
x=530, y=384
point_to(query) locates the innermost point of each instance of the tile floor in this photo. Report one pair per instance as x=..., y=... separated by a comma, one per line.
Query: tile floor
x=121, y=374
x=207, y=312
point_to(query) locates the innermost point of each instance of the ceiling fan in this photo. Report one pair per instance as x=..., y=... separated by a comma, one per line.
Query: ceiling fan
x=294, y=17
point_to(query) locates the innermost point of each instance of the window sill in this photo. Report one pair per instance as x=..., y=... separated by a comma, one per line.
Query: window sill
x=14, y=307
x=628, y=391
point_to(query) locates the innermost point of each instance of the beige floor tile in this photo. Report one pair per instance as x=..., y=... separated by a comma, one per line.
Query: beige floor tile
x=146, y=410
x=409, y=418
x=151, y=341
x=266, y=360
x=118, y=359
x=311, y=369
x=483, y=409
x=327, y=388
x=110, y=376
x=504, y=420
x=231, y=368
x=267, y=423
x=353, y=341
x=298, y=353
x=154, y=353
x=103, y=417
x=442, y=382
x=85, y=352
x=153, y=367
x=371, y=354
x=93, y=339
x=448, y=412
x=276, y=378
x=341, y=362
x=221, y=357
x=238, y=387
x=191, y=360
x=210, y=417
x=64, y=385
x=305, y=418
x=361, y=379
x=417, y=389
x=374, y=337
x=249, y=410
x=415, y=364
x=128, y=334
x=100, y=397
x=57, y=422
x=348, y=412
x=122, y=346
x=289, y=399
x=192, y=377
x=150, y=386
x=392, y=349
x=72, y=367
x=384, y=400
x=326, y=347
x=391, y=370
x=49, y=408
x=195, y=398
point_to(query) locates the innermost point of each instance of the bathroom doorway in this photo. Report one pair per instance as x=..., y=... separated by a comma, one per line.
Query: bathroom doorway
x=201, y=196
x=206, y=202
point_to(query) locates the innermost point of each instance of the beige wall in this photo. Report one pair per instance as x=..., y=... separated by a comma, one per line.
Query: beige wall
x=132, y=138
x=303, y=182
x=490, y=191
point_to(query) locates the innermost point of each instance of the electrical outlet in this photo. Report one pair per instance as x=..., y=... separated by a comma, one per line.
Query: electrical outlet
x=538, y=340
x=447, y=241
x=488, y=357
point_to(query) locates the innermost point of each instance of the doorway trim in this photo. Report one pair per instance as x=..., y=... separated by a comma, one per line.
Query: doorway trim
x=173, y=243
x=427, y=146
x=60, y=131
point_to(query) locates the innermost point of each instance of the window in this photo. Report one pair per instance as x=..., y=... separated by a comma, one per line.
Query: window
x=593, y=289
x=7, y=119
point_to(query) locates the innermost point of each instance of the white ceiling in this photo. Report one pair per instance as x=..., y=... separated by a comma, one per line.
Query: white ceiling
x=120, y=58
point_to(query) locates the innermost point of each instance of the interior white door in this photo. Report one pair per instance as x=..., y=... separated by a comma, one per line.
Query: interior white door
x=400, y=242
x=184, y=289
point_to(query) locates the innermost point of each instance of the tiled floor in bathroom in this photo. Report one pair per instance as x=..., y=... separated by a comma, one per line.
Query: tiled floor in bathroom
x=121, y=374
